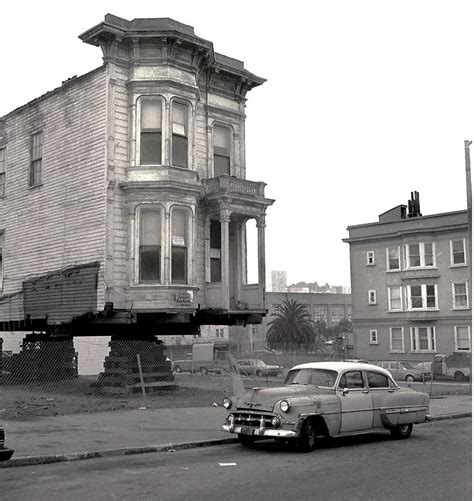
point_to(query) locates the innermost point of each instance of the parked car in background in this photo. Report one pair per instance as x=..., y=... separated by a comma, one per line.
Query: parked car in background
x=256, y=367
x=326, y=399
x=5, y=453
x=404, y=371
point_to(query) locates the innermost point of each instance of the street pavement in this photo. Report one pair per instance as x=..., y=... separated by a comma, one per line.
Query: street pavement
x=103, y=434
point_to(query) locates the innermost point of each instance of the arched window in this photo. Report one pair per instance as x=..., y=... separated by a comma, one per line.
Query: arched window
x=179, y=245
x=150, y=131
x=179, y=148
x=221, y=141
x=150, y=248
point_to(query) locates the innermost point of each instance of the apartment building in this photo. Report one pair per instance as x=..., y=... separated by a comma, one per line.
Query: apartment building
x=411, y=284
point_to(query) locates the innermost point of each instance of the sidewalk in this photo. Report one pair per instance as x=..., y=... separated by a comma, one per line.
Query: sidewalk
x=82, y=436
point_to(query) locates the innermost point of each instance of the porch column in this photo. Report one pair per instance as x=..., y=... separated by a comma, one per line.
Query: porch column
x=225, y=260
x=261, y=257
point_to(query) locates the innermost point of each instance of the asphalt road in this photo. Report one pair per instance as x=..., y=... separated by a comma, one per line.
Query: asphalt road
x=434, y=464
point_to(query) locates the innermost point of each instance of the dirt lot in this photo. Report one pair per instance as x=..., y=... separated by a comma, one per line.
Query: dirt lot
x=27, y=401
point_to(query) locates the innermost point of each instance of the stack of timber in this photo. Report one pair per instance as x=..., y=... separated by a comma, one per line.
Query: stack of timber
x=122, y=371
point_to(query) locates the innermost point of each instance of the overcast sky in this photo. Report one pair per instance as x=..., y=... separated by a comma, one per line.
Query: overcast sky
x=365, y=102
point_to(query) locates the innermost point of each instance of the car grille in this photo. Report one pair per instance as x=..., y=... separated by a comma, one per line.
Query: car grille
x=253, y=418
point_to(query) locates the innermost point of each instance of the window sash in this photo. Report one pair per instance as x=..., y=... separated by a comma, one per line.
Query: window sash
x=179, y=259
x=460, y=299
x=462, y=338
x=149, y=258
x=3, y=160
x=422, y=297
x=423, y=339
x=36, y=159
x=373, y=338
x=420, y=255
x=372, y=297
x=393, y=258
x=396, y=339
x=458, y=252
x=150, y=131
x=395, y=298
x=150, y=263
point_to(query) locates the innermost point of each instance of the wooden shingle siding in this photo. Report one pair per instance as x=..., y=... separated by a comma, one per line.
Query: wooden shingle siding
x=59, y=223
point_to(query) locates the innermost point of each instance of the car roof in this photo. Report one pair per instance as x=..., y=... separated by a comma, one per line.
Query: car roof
x=342, y=366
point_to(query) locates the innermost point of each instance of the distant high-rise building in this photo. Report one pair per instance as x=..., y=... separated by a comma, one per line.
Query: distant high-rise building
x=279, y=281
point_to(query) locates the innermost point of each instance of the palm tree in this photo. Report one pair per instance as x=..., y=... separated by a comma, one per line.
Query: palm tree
x=291, y=327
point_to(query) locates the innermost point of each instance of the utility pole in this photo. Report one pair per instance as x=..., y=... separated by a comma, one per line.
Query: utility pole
x=467, y=155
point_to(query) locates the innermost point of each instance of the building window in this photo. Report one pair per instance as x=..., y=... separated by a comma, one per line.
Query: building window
x=420, y=255
x=397, y=344
x=215, y=240
x=150, y=131
x=458, y=252
x=2, y=245
x=3, y=169
x=370, y=258
x=220, y=332
x=373, y=337
x=221, y=138
x=320, y=313
x=393, y=259
x=395, y=298
x=179, y=149
x=179, y=246
x=460, y=299
x=372, y=297
x=422, y=297
x=337, y=314
x=462, y=338
x=423, y=339
x=36, y=159
x=150, y=246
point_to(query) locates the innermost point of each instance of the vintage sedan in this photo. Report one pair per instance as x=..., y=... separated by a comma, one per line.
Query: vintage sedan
x=326, y=399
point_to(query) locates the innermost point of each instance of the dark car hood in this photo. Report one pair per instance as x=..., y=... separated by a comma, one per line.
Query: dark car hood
x=265, y=398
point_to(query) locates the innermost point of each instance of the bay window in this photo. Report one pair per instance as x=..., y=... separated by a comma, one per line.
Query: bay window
x=422, y=297
x=150, y=131
x=420, y=255
x=179, y=246
x=179, y=140
x=150, y=246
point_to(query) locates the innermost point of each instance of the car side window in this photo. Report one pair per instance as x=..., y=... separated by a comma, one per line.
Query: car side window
x=377, y=380
x=352, y=380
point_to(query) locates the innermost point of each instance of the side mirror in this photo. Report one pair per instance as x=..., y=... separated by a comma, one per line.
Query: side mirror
x=345, y=391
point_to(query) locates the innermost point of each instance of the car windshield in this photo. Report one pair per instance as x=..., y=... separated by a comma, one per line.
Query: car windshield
x=317, y=377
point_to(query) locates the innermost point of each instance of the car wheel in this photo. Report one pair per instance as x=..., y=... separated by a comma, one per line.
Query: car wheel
x=459, y=376
x=401, y=431
x=259, y=373
x=203, y=371
x=409, y=378
x=246, y=440
x=177, y=369
x=307, y=440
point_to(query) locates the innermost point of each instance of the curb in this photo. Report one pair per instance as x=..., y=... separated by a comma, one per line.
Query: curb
x=129, y=451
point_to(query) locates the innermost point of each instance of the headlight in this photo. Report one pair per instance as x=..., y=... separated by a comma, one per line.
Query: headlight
x=275, y=422
x=226, y=403
x=284, y=406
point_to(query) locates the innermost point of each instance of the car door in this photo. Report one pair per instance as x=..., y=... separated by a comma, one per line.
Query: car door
x=381, y=391
x=356, y=402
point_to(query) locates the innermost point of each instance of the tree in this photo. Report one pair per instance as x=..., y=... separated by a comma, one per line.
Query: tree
x=291, y=328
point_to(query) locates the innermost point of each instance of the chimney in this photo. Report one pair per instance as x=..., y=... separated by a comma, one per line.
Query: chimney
x=414, y=205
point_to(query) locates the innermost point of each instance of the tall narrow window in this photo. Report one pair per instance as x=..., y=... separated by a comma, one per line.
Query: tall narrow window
x=179, y=153
x=221, y=151
x=215, y=251
x=3, y=168
x=150, y=132
x=36, y=158
x=414, y=258
x=179, y=246
x=396, y=340
x=150, y=245
x=458, y=252
x=395, y=298
x=462, y=338
x=2, y=244
x=393, y=259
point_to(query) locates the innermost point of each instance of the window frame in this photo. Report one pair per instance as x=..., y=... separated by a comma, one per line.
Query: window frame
x=451, y=252
x=230, y=132
x=415, y=339
x=391, y=270
x=139, y=217
x=370, y=258
x=402, y=332
x=389, y=295
x=372, y=297
x=424, y=297
x=154, y=98
x=453, y=287
x=373, y=336
x=188, y=108
x=3, y=170
x=2, y=261
x=187, y=245
x=456, y=338
x=35, y=171
x=422, y=254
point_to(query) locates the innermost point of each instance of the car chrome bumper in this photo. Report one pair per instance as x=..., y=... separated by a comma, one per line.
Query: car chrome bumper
x=259, y=432
x=428, y=418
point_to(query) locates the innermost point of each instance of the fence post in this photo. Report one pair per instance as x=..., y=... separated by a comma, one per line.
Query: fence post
x=142, y=382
